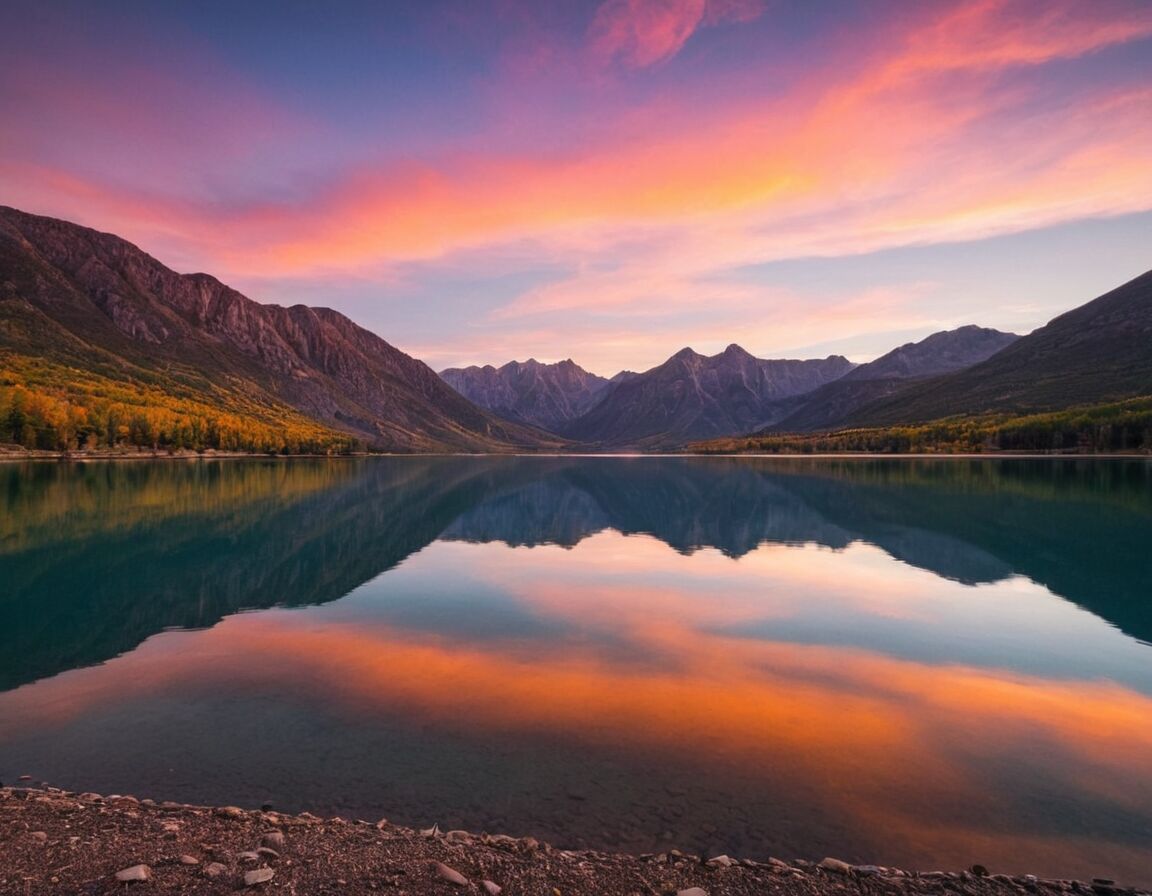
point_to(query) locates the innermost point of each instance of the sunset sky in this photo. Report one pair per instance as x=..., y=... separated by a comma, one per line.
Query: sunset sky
x=607, y=180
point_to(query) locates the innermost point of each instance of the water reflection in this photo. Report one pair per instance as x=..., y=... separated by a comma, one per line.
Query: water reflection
x=864, y=658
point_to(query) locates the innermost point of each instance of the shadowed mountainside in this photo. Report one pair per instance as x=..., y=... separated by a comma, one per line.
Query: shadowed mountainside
x=72, y=298
x=940, y=353
x=1099, y=352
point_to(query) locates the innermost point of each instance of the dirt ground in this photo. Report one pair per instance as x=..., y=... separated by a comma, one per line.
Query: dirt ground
x=55, y=842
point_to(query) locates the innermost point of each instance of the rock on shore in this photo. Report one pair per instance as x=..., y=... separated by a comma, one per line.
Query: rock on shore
x=53, y=841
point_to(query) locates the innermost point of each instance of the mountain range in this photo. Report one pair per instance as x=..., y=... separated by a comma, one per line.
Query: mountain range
x=546, y=395
x=693, y=396
x=102, y=344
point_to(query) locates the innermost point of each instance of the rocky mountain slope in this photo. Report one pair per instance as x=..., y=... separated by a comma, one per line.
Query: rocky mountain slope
x=546, y=395
x=691, y=396
x=940, y=353
x=1099, y=352
x=77, y=298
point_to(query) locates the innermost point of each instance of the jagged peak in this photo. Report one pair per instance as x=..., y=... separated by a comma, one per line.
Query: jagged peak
x=735, y=351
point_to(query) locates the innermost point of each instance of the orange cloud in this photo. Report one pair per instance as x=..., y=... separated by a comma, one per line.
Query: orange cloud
x=919, y=140
x=771, y=178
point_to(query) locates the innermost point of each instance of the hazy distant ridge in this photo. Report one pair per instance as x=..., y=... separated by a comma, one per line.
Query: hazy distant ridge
x=547, y=395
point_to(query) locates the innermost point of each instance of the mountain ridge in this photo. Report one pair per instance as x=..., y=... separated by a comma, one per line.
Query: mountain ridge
x=693, y=396
x=531, y=392
x=942, y=352
x=96, y=293
x=1098, y=352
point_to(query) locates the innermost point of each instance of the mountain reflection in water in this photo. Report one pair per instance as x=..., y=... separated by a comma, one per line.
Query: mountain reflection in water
x=905, y=661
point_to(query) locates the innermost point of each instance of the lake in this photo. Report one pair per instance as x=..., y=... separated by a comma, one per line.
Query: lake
x=922, y=663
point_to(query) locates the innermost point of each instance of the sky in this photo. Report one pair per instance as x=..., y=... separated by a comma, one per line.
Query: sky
x=479, y=181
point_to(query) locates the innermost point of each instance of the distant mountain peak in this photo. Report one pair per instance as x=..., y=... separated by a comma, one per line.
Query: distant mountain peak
x=1098, y=352
x=533, y=392
x=691, y=396
x=936, y=355
x=943, y=352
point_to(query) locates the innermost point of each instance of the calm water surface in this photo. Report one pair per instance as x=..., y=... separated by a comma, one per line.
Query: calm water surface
x=909, y=662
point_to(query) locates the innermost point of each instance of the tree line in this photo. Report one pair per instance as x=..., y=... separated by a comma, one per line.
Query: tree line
x=63, y=418
x=1115, y=427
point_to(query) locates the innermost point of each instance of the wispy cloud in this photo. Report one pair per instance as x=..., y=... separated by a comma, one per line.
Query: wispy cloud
x=958, y=121
x=640, y=33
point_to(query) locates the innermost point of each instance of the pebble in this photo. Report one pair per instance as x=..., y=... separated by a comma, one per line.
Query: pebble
x=835, y=866
x=189, y=860
x=267, y=853
x=214, y=869
x=451, y=875
x=137, y=873
x=692, y=891
x=229, y=812
x=979, y=870
x=492, y=889
x=258, y=876
x=39, y=836
x=458, y=837
x=249, y=856
x=721, y=862
x=273, y=840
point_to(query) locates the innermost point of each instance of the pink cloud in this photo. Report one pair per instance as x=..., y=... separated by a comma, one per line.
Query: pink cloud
x=640, y=33
x=913, y=137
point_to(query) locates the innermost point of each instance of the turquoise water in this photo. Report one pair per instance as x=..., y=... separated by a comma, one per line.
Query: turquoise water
x=909, y=662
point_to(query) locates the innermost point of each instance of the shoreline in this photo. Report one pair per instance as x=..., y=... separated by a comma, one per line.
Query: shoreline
x=28, y=455
x=57, y=841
